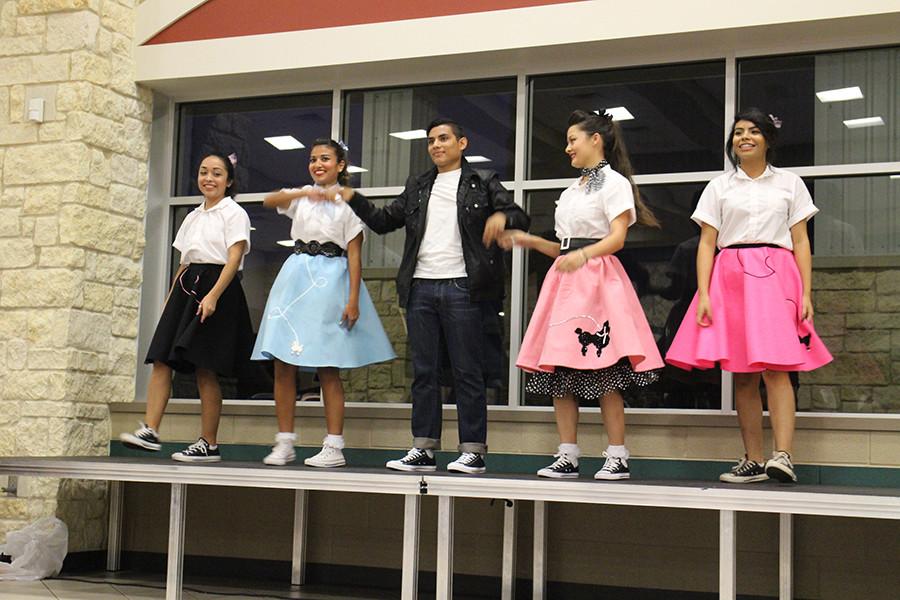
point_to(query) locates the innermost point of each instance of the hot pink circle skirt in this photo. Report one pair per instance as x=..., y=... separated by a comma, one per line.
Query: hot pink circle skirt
x=755, y=298
x=588, y=319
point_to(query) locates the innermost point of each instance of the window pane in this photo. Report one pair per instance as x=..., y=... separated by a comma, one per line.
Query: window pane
x=661, y=265
x=678, y=113
x=814, y=132
x=485, y=109
x=241, y=126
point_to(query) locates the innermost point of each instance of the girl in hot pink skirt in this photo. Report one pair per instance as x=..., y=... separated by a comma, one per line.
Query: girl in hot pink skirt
x=588, y=337
x=753, y=310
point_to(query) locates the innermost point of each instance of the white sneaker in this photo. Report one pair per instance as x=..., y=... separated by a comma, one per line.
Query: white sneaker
x=328, y=456
x=283, y=451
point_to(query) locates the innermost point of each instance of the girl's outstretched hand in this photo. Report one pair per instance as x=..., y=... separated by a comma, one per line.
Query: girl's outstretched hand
x=704, y=312
x=338, y=193
x=350, y=315
x=207, y=307
x=511, y=238
x=572, y=261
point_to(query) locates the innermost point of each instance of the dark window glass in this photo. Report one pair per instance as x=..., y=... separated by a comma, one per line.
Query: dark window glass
x=661, y=265
x=818, y=129
x=678, y=112
x=241, y=127
x=485, y=109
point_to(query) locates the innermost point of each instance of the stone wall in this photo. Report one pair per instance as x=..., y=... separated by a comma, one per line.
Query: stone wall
x=72, y=198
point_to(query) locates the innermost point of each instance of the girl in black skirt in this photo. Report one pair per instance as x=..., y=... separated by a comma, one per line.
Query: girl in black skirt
x=205, y=326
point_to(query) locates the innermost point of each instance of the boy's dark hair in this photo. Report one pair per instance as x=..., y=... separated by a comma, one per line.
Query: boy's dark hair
x=455, y=127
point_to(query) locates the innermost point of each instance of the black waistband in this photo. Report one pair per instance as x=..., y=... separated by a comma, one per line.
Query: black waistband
x=197, y=268
x=741, y=246
x=567, y=245
x=314, y=248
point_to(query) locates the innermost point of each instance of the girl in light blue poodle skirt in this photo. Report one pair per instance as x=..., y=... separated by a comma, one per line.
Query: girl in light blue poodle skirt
x=319, y=315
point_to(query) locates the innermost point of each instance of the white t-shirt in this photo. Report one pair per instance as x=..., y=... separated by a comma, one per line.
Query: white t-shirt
x=580, y=214
x=206, y=235
x=441, y=253
x=755, y=211
x=322, y=221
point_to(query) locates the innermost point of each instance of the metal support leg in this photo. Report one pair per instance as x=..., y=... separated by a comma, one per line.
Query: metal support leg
x=298, y=554
x=445, y=549
x=539, y=578
x=116, y=491
x=409, y=587
x=727, y=554
x=785, y=556
x=176, y=541
x=508, y=579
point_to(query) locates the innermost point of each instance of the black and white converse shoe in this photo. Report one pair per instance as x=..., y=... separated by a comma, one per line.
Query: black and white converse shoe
x=780, y=467
x=746, y=471
x=468, y=462
x=564, y=467
x=613, y=469
x=417, y=459
x=199, y=451
x=143, y=438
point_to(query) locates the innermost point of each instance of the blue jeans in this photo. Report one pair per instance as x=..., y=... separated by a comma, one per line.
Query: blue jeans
x=442, y=308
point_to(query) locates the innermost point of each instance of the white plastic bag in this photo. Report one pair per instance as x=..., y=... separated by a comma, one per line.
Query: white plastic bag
x=37, y=551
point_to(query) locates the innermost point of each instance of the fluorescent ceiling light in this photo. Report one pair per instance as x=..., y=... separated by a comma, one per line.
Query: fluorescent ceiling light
x=285, y=142
x=412, y=134
x=865, y=122
x=840, y=95
x=355, y=169
x=896, y=176
x=252, y=228
x=286, y=243
x=478, y=158
x=618, y=113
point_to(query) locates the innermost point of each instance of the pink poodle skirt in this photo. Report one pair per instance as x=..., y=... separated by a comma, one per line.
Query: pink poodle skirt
x=755, y=298
x=588, y=319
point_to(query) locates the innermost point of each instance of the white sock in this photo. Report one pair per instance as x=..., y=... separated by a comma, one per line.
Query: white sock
x=286, y=436
x=570, y=450
x=335, y=441
x=617, y=452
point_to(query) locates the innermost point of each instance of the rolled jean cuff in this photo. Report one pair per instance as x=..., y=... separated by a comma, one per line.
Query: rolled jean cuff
x=426, y=443
x=475, y=447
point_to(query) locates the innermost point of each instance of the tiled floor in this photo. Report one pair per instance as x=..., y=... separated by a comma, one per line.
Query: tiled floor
x=137, y=588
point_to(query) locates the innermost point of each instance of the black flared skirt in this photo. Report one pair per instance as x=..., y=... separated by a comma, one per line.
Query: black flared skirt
x=222, y=343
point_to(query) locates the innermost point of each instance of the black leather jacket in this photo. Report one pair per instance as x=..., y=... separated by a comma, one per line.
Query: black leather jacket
x=479, y=196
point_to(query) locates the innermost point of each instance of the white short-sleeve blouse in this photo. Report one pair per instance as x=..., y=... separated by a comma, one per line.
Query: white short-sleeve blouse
x=580, y=214
x=206, y=235
x=755, y=211
x=322, y=221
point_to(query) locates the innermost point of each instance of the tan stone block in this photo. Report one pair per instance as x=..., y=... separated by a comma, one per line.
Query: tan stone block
x=46, y=231
x=40, y=288
x=125, y=322
x=8, y=14
x=128, y=297
x=3, y=367
x=100, y=169
x=17, y=113
x=840, y=301
x=118, y=270
x=852, y=369
x=95, y=130
x=16, y=354
x=13, y=324
x=888, y=282
x=27, y=224
x=92, y=411
x=37, y=408
x=58, y=256
x=87, y=194
x=9, y=414
x=98, y=297
x=52, y=132
x=72, y=31
x=49, y=67
x=889, y=303
x=14, y=508
x=19, y=133
x=122, y=363
x=89, y=331
x=91, y=228
x=136, y=138
x=84, y=361
x=16, y=253
x=873, y=321
x=39, y=385
x=109, y=104
x=25, y=44
x=118, y=18
x=9, y=222
x=872, y=340
x=129, y=171
x=28, y=164
x=35, y=7
x=42, y=199
x=139, y=109
x=122, y=78
x=31, y=25
x=74, y=95
x=48, y=328
x=10, y=197
x=87, y=66
x=121, y=45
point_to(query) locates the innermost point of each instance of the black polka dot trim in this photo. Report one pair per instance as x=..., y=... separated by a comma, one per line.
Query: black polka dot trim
x=590, y=385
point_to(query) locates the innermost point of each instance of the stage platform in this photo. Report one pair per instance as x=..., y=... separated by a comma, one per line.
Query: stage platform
x=726, y=499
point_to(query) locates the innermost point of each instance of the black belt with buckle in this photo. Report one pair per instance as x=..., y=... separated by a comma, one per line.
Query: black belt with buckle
x=567, y=245
x=314, y=248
